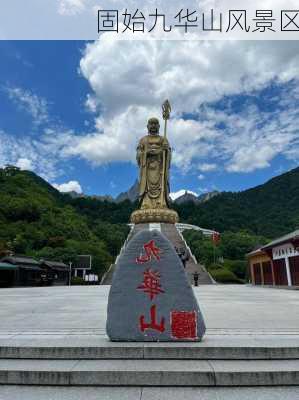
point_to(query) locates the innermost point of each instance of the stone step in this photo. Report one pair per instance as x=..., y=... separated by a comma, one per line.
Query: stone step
x=219, y=349
x=149, y=372
x=203, y=276
x=12, y=392
x=171, y=232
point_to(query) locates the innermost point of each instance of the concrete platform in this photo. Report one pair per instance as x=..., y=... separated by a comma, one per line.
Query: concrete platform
x=69, y=323
x=56, y=336
x=76, y=316
x=62, y=307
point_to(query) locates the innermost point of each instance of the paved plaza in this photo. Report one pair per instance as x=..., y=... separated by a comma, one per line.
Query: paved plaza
x=237, y=317
x=79, y=312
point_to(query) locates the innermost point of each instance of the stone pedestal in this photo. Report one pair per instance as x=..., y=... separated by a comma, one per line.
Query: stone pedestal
x=150, y=298
x=163, y=215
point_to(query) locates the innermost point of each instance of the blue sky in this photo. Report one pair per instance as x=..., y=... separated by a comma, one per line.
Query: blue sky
x=74, y=111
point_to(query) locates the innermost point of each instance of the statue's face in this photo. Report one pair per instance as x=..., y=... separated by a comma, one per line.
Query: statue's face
x=153, y=126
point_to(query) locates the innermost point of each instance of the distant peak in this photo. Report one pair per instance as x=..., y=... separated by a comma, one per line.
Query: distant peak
x=183, y=192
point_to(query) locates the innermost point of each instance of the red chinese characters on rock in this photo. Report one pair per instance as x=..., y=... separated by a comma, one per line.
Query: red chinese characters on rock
x=184, y=324
x=153, y=323
x=151, y=283
x=151, y=286
x=151, y=251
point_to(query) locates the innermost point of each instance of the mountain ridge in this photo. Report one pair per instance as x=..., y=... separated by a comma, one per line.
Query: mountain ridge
x=132, y=195
x=270, y=209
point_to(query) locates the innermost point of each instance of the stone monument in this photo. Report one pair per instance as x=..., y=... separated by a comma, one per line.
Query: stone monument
x=150, y=299
x=154, y=158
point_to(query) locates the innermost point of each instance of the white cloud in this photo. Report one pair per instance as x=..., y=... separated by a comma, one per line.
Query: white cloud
x=203, y=190
x=71, y=186
x=91, y=103
x=71, y=7
x=176, y=195
x=24, y=164
x=29, y=102
x=206, y=167
x=39, y=155
x=201, y=177
x=130, y=80
x=252, y=138
x=199, y=71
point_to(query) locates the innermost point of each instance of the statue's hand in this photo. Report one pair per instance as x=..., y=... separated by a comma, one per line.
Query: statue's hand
x=153, y=151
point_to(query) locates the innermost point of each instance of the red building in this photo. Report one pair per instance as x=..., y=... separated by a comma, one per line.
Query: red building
x=277, y=263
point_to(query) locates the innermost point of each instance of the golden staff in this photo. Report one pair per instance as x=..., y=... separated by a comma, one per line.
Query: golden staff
x=166, y=110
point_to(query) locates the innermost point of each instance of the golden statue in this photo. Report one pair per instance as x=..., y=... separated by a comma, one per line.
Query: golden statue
x=154, y=158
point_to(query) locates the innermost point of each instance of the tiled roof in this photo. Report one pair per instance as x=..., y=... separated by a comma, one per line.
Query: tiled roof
x=7, y=266
x=282, y=239
x=21, y=260
x=54, y=263
x=254, y=252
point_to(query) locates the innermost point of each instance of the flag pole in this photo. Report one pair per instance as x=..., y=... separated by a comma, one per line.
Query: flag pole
x=214, y=246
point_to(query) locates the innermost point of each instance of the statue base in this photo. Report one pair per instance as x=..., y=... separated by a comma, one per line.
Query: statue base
x=154, y=215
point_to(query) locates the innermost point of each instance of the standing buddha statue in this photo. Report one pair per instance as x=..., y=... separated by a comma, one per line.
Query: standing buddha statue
x=154, y=158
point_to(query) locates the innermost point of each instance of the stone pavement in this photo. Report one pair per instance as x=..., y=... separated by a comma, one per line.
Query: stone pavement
x=235, y=316
x=64, y=328
x=80, y=311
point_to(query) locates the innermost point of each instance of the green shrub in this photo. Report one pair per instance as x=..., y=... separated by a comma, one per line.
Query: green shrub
x=214, y=267
x=238, y=267
x=224, y=276
x=76, y=280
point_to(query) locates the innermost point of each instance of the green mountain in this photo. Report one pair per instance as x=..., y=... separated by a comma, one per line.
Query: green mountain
x=37, y=220
x=271, y=209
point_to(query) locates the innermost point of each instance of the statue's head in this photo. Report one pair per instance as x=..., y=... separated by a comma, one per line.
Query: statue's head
x=153, y=126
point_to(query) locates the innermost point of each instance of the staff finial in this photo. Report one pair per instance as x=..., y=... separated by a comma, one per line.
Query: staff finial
x=166, y=110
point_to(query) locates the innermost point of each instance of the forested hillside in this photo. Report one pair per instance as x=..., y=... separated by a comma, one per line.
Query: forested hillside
x=270, y=210
x=37, y=220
